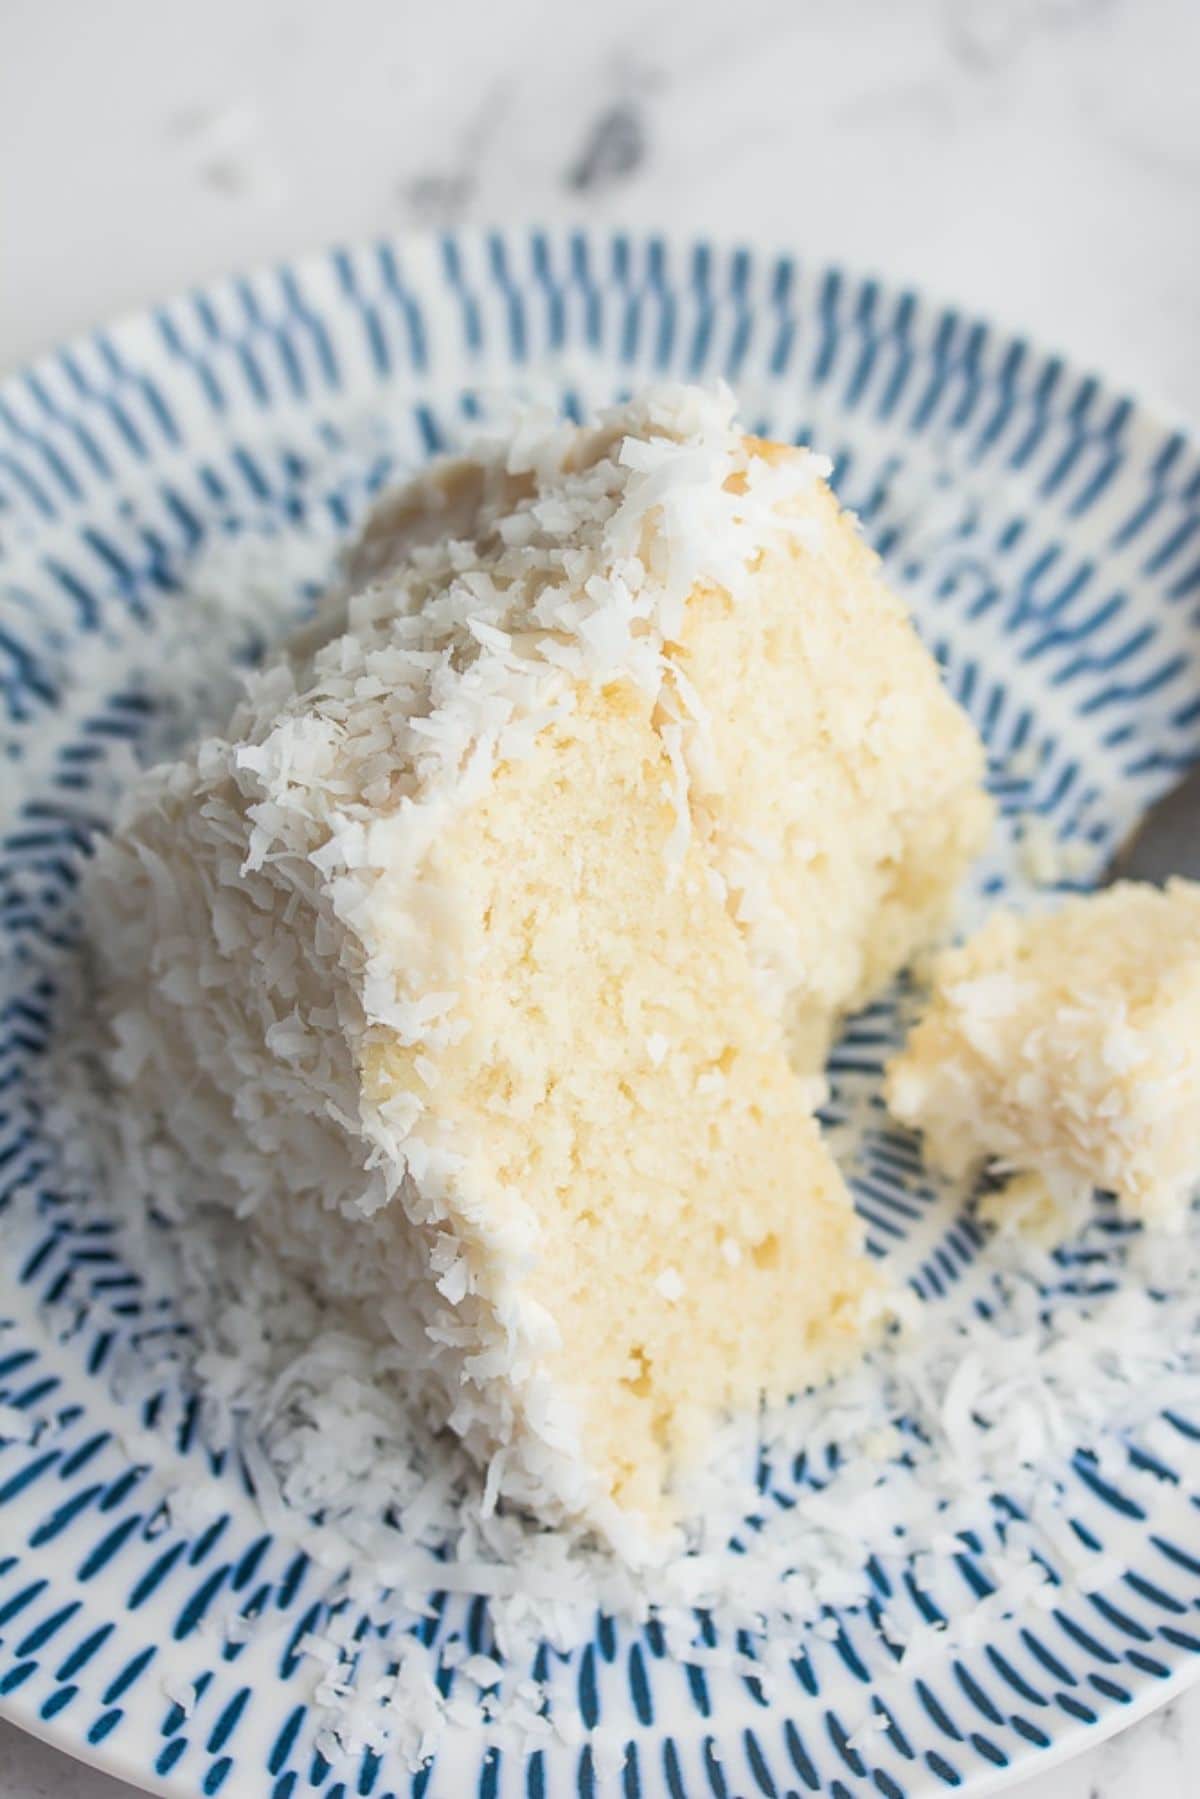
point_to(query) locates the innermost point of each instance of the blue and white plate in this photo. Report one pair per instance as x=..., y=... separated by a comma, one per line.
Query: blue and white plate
x=1046, y=532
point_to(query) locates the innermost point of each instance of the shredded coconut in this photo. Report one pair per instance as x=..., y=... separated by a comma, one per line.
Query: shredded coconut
x=670, y=1285
x=444, y=653
x=963, y=1421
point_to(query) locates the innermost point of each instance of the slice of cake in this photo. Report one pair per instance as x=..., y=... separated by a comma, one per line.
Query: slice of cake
x=465, y=964
x=1064, y=1049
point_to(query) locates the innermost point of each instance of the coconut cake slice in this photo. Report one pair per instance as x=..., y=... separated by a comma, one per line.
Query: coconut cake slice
x=475, y=962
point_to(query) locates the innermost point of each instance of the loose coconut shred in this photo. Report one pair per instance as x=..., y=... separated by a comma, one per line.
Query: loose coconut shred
x=963, y=1420
x=957, y=1432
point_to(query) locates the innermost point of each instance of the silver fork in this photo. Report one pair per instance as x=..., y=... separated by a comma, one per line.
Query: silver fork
x=1166, y=841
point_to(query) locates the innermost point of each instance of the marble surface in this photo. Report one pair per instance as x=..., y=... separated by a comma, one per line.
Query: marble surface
x=1037, y=159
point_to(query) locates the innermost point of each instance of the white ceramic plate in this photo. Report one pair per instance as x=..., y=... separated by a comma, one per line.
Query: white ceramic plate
x=1047, y=534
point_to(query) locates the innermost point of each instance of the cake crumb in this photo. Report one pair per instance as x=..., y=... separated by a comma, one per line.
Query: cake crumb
x=1041, y=854
x=1023, y=764
x=1062, y=1051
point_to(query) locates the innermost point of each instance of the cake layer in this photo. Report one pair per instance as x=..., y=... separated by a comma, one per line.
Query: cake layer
x=621, y=1099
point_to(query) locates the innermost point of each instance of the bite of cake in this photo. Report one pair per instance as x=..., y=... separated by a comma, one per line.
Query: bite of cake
x=1061, y=1049
x=479, y=963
